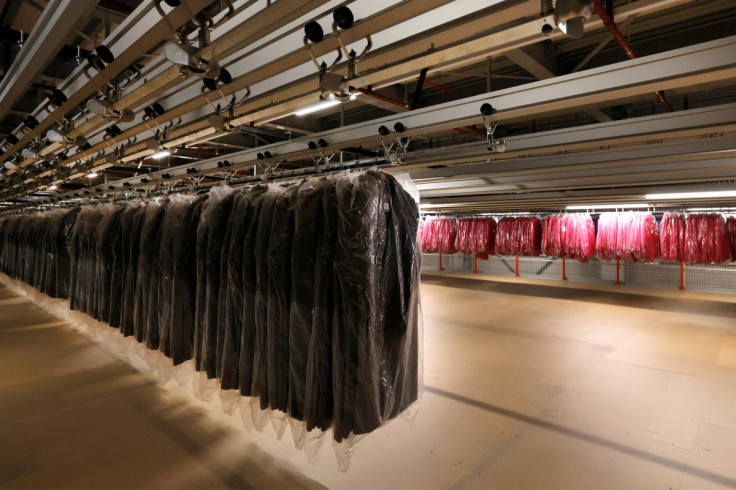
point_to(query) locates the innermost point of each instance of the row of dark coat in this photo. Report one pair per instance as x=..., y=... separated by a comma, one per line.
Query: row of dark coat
x=304, y=296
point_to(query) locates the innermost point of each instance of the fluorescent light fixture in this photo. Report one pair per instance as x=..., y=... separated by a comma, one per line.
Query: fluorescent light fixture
x=317, y=107
x=692, y=195
x=160, y=154
x=607, y=206
x=716, y=209
x=92, y=175
x=54, y=188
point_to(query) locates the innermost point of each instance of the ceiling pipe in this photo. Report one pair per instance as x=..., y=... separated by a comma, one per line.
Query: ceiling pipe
x=611, y=25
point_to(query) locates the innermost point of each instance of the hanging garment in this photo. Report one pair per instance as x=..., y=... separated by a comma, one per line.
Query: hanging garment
x=131, y=288
x=731, y=231
x=259, y=385
x=231, y=328
x=250, y=282
x=222, y=293
x=318, y=397
x=672, y=237
x=172, y=238
x=213, y=223
x=706, y=239
x=371, y=246
x=278, y=260
x=121, y=246
x=107, y=229
x=146, y=259
x=307, y=229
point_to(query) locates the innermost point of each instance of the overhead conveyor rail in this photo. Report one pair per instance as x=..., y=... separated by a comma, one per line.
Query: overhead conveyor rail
x=375, y=66
x=707, y=63
x=136, y=42
x=270, y=75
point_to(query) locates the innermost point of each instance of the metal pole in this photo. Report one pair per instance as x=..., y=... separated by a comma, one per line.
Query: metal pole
x=441, y=262
x=564, y=278
x=517, y=266
x=682, y=277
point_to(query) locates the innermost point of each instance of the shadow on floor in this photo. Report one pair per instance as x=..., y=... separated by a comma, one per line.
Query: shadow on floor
x=590, y=438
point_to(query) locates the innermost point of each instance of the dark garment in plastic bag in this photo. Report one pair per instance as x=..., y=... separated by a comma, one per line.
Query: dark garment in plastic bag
x=107, y=229
x=307, y=230
x=259, y=383
x=152, y=217
x=372, y=244
x=318, y=397
x=249, y=280
x=212, y=227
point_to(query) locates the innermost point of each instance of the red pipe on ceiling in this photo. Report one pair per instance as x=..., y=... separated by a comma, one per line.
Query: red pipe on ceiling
x=613, y=28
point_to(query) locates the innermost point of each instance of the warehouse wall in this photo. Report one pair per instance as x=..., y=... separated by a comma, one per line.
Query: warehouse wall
x=715, y=278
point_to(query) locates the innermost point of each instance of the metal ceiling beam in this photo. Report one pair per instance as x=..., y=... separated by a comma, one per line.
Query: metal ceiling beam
x=709, y=122
x=382, y=66
x=601, y=161
x=42, y=44
x=147, y=30
x=559, y=199
x=537, y=66
x=183, y=103
x=707, y=62
x=235, y=34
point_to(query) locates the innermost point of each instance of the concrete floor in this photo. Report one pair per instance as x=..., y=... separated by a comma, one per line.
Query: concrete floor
x=527, y=385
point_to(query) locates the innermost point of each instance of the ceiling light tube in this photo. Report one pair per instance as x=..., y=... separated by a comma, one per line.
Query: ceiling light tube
x=317, y=107
x=715, y=209
x=692, y=195
x=606, y=206
x=92, y=175
x=160, y=154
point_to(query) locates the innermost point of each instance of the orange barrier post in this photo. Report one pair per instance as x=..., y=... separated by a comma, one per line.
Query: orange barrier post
x=476, y=264
x=617, y=276
x=517, y=266
x=682, y=277
x=564, y=278
x=441, y=263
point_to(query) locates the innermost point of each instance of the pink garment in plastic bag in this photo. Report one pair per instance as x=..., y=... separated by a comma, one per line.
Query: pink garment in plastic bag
x=571, y=236
x=632, y=237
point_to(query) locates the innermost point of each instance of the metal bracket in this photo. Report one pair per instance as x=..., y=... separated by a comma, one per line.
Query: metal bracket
x=494, y=145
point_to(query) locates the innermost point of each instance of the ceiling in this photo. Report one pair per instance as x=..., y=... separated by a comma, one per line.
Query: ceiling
x=581, y=123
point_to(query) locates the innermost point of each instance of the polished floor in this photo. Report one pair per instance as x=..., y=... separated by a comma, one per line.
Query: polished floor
x=527, y=385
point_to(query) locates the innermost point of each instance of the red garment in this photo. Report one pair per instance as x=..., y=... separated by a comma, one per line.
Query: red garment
x=519, y=236
x=484, y=237
x=706, y=239
x=731, y=230
x=464, y=242
x=672, y=237
x=439, y=235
